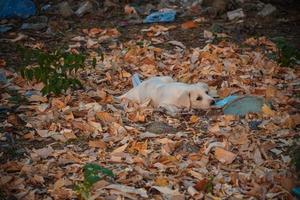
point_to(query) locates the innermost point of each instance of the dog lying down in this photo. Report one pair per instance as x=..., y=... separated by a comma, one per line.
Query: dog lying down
x=173, y=96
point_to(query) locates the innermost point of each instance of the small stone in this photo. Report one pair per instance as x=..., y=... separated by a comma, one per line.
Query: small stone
x=267, y=10
x=35, y=23
x=253, y=125
x=84, y=8
x=65, y=10
x=235, y=14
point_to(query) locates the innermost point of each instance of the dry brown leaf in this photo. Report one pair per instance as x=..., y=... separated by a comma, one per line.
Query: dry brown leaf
x=97, y=144
x=57, y=103
x=194, y=119
x=2, y=63
x=126, y=189
x=44, y=152
x=29, y=136
x=171, y=194
x=94, y=31
x=224, y=156
x=105, y=117
x=200, y=185
x=292, y=121
x=120, y=149
x=69, y=135
x=271, y=92
x=267, y=111
x=37, y=98
x=129, y=10
x=257, y=157
x=161, y=181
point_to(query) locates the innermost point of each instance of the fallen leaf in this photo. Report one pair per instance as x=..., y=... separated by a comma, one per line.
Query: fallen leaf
x=267, y=111
x=172, y=194
x=224, y=156
x=208, y=35
x=2, y=63
x=257, y=156
x=161, y=181
x=57, y=103
x=120, y=149
x=201, y=185
x=97, y=144
x=177, y=43
x=44, y=152
x=105, y=117
x=189, y=25
x=129, y=10
x=68, y=134
x=126, y=189
x=194, y=119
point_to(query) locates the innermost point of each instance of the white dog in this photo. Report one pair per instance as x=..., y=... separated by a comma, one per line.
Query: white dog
x=173, y=96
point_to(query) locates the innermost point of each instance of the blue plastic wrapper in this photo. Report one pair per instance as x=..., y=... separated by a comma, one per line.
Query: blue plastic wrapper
x=16, y=9
x=161, y=16
x=223, y=102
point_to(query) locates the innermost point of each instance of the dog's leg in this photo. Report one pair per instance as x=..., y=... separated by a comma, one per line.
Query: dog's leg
x=170, y=109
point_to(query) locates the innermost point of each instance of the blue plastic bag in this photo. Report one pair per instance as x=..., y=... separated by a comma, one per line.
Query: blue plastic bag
x=161, y=16
x=16, y=9
x=221, y=103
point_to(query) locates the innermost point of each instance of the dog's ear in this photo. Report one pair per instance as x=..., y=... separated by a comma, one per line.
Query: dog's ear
x=185, y=99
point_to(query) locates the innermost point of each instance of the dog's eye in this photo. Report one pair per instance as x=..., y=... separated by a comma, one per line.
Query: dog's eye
x=199, y=98
x=206, y=92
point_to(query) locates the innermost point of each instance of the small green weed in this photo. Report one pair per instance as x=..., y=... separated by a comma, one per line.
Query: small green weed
x=92, y=174
x=287, y=54
x=57, y=70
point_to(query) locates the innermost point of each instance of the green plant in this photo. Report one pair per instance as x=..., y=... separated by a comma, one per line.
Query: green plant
x=92, y=174
x=56, y=70
x=208, y=187
x=287, y=54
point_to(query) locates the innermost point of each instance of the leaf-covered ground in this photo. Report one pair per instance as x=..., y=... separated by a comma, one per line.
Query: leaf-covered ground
x=45, y=142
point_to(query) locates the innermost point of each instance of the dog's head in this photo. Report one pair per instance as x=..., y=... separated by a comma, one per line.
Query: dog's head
x=199, y=97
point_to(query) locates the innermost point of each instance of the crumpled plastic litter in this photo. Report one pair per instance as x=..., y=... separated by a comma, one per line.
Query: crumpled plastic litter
x=243, y=105
x=135, y=80
x=16, y=9
x=221, y=103
x=167, y=15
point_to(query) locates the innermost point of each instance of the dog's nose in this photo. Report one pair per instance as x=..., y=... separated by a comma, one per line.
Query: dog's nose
x=212, y=102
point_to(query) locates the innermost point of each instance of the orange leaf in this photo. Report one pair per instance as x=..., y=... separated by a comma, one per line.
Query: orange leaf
x=97, y=144
x=161, y=181
x=2, y=63
x=200, y=185
x=189, y=25
x=194, y=119
x=271, y=92
x=267, y=110
x=105, y=117
x=129, y=10
x=57, y=103
x=224, y=156
x=140, y=147
x=224, y=92
x=94, y=31
x=69, y=135
x=136, y=117
x=120, y=149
